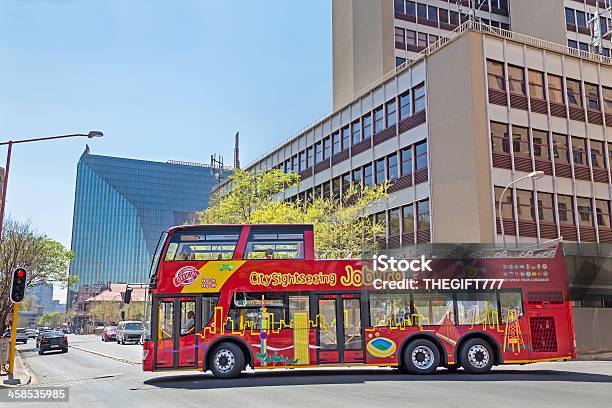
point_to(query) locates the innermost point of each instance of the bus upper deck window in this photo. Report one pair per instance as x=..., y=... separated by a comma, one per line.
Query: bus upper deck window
x=275, y=245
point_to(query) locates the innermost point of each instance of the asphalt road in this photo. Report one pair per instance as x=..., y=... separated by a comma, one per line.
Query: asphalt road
x=98, y=381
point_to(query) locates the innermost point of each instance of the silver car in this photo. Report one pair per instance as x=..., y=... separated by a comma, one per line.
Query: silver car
x=130, y=332
x=22, y=336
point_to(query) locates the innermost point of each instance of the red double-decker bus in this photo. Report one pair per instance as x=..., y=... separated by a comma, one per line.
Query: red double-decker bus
x=224, y=297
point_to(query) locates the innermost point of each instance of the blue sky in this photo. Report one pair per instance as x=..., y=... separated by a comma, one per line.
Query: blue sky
x=164, y=80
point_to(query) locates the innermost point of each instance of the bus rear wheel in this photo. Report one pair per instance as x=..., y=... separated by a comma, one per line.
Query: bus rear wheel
x=421, y=357
x=227, y=360
x=476, y=356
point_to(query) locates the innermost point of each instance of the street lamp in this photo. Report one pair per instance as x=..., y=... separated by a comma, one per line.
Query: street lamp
x=534, y=175
x=10, y=143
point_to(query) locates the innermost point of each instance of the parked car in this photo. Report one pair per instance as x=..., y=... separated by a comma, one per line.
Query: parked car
x=21, y=337
x=109, y=333
x=31, y=333
x=130, y=331
x=98, y=329
x=52, y=340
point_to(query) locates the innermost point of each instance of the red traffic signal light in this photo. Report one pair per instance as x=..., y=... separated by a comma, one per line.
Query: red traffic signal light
x=18, y=285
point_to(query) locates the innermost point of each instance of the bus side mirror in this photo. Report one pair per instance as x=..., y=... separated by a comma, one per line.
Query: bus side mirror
x=127, y=296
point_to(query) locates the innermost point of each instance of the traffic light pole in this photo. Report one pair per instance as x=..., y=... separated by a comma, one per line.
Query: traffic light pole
x=4, y=185
x=11, y=379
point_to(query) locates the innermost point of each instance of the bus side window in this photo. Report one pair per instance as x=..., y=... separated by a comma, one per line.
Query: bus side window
x=208, y=309
x=275, y=244
x=298, y=304
x=435, y=308
x=475, y=307
x=390, y=309
x=510, y=300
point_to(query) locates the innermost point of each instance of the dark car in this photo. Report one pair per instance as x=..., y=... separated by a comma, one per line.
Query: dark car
x=52, y=340
x=109, y=333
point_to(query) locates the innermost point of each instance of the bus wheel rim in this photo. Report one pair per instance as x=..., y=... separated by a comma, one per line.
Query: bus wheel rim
x=422, y=357
x=224, y=360
x=478, y=356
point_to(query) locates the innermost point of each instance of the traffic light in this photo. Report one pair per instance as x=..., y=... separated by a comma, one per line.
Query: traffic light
x=18, y=285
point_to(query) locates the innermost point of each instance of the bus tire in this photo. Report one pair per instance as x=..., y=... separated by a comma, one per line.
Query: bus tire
x=476, y=356
x=421, y=356
x=227, y=360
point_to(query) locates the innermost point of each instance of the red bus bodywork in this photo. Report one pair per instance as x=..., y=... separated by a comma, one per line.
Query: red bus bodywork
x=543, y=331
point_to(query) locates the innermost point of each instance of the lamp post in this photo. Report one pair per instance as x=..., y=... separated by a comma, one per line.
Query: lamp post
x=534, y=175
x=10, y=143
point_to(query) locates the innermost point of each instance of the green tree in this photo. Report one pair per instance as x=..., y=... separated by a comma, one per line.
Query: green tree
x=106, y=312
x=134, y=311
x=341, y=225
x=44, y=259
x=50, y=319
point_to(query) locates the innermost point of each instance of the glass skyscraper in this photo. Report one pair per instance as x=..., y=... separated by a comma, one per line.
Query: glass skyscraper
x=121, y=207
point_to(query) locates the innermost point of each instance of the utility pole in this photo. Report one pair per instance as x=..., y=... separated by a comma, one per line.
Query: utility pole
x=597, y=28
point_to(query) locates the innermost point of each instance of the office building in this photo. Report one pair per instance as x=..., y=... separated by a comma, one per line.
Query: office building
x=122, y=206
x=371, y=37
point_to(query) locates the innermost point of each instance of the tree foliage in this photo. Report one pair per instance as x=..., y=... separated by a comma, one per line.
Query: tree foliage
x=106, y=312
x=341, y=225
x=50, y=319
x=44, y=259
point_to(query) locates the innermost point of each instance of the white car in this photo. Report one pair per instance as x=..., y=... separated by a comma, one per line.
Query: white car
x=130, y=332
x=21, y=337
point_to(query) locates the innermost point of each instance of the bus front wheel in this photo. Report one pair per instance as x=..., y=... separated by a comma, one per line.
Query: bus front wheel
x=421, y=357
x=227, y=360
x=476, y=356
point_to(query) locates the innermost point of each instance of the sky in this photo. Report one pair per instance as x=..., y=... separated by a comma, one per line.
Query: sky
x=163, y=79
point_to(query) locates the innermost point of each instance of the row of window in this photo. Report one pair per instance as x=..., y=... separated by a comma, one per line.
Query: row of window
x=402, y=220
x=388, y=114
x=568, y=211
x=582, y=46
x=536, y=83
x=565, y=148
x=414, y=38
x=384, y=309
x=586, y=20
x=439, y=14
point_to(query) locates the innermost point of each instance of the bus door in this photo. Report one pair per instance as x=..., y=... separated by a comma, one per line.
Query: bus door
x=339, y=329
x=177, y=324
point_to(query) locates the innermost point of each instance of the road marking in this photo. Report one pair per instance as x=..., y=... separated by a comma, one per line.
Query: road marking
x=122, y=360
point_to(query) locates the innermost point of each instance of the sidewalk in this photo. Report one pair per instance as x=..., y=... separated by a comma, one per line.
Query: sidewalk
x=21, y=371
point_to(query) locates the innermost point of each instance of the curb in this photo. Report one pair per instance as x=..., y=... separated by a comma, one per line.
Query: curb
x=122, y=360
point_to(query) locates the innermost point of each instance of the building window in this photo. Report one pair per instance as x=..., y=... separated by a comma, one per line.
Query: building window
x=507, y=205
x=454, y=18
x=602, y=209
x=597, y=154
x=422, y=40
x=573, y=93
x=421, y=11
x=392, y=172
x=423, y=215
x=326, y=189
x=309, y=158
x=336, y=183
x=499, y=137
x=572, y=44
x=367, y=174
x=411, y=37
x=536, y=84
x=516, y=78
x=495, y=75
x=406, y=160
x=520, y=141
x=336, y=146
x=565, y=209
x=399, y=35
x=318, y=152
x=398, y=6
x=607, y=97
x=404, y=100
x=394, y=222
x=570, y=18
x=357, y=176
x=580, y=19
x=326, y=148
x=379, y=124
x=420, y=150
x=346, y=136
x=592, y=94
x=408, y=219
x=525, y=209
x=391, y=113
x=380, y=171
x=367, y=126
x=432, y=38
x=346, y=183
x=585, y=211
x=540, y=145
x=356, y=132
x=418, y=93
x=583, y=47
x=295, y=165
x=560, y=148
x=443, y=16
x=399, y=61
x=546, y=208
x=432, y=13
x=317, y=191
x=288, y=166
x=579, y=150
x=302, y=160
x=410, y=8
x=555, y=89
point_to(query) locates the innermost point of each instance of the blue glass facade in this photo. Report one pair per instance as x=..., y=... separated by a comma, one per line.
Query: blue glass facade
x=121, y=207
